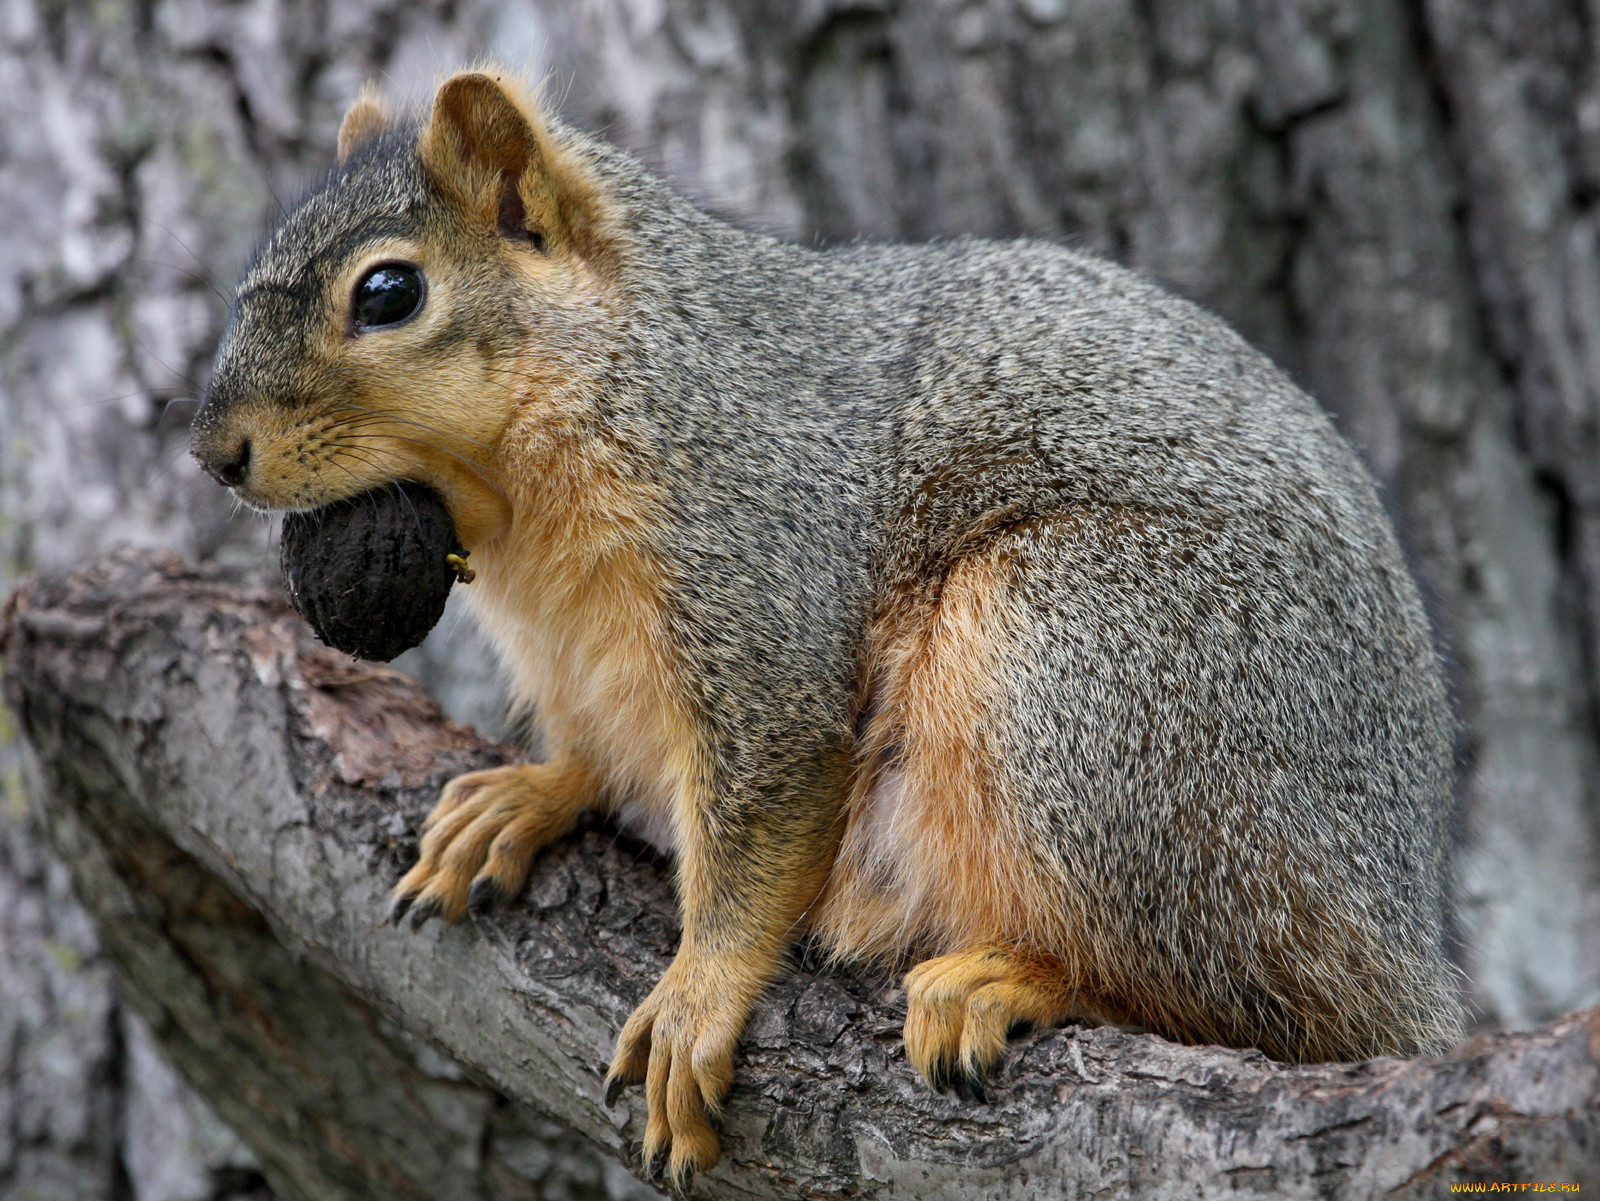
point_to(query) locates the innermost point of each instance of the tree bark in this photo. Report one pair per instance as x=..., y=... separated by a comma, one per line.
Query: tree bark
x=1398, y=200
x=235, y=801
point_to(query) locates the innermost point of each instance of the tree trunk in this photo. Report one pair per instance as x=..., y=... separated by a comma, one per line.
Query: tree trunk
x=1395, y=199
x=235, y=802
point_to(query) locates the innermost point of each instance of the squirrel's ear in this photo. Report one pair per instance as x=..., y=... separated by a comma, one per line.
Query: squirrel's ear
x=477, y=134
x=490, y=151
x=365, y=120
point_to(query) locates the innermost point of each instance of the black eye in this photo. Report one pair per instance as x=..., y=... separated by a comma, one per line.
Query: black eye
x=387, y=295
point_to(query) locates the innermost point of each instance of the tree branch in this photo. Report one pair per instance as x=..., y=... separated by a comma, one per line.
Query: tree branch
x=235, y=802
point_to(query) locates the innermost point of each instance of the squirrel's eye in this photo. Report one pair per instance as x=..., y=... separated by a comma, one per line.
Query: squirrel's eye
x=387, y=295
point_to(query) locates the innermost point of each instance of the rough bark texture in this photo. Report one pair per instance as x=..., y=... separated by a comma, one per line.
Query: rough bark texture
x=1396, y=199
x=235, y=800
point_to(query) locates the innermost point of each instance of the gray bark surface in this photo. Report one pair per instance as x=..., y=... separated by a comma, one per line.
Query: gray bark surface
x=1398, y=201
x=235, y=801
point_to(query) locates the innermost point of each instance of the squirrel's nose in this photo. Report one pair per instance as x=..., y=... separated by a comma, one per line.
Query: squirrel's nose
x=229, y=470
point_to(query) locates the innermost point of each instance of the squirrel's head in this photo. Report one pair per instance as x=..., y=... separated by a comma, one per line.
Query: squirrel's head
x=448, y=276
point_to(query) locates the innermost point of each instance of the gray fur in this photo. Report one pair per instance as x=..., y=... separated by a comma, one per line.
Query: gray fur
x=1228, y=714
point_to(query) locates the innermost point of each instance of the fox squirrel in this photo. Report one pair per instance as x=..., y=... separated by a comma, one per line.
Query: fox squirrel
x=974, y=606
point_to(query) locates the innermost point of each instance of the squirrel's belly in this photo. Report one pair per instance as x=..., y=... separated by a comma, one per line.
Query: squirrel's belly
x=930, y=864
x=593, y=674
x=649, y=822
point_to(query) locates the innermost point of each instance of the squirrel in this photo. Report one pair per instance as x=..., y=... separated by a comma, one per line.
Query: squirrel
x=971, y=607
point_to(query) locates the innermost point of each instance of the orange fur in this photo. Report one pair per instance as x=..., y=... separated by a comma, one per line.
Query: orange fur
x=505, y=381
x=440, y=420
x=931, y=857
x=559, y=530
x=363, y=120
x=574, y=598
x=488, y=826
x=559, y=527
x=488, y=131
x=960, y=1008
x=568, y=585
x=933, y=860
x=435, y=420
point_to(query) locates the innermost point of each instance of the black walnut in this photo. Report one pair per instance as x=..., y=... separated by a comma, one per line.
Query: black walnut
x=371, y=574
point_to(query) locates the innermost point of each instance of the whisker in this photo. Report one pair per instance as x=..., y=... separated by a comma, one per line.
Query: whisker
x=166, y=406
x=172, y=456
x=377, y=416
x=369, y=494
x=359, y=455
x=186, y=272
x=407, y=419
x=74, y=406
x=401, y=492
x=393, y=484
x=204, y=275
x=177, y=375
x=487, y=476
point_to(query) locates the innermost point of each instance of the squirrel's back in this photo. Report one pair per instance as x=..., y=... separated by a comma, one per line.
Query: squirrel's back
x=1149, y=689
x=1143, y=682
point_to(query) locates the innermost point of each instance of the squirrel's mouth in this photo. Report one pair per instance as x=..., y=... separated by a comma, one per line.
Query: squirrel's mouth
x=299, y=482
x=275, y=456
x=294, y=470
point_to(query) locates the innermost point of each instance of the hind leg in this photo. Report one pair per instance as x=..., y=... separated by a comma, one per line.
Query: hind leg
x=961, y=1008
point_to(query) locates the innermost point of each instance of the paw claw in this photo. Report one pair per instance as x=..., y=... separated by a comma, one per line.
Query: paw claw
x=962, y=1007
x=961, y=1086
x=480, y=838
x=614, y=1087
x=972, y=1088
x=680, y=1042
x=421, y=914
x=484, y=894
x=657, y=1167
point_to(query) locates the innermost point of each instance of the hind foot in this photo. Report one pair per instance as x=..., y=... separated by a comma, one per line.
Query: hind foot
x=961, y=1008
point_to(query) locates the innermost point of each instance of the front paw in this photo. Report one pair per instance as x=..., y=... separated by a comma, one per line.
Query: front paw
x=480, y=839
x=680, y=1043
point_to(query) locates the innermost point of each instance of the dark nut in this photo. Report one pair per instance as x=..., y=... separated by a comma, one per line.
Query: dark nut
x=371, y=573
